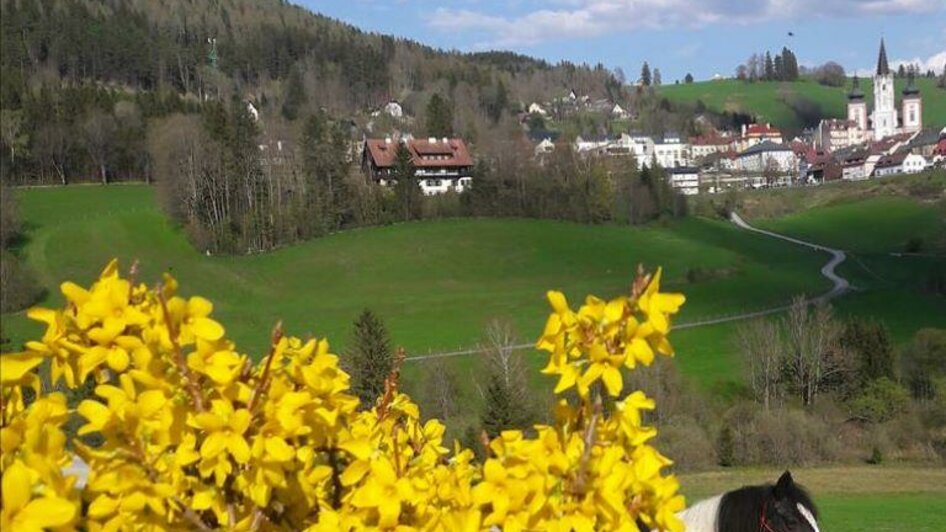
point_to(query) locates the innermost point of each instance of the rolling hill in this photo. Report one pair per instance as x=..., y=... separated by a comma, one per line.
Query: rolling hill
x=794, y=105
x=436, y=283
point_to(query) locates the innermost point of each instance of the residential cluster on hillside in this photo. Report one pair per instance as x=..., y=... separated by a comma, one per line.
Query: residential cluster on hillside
x=876, y=142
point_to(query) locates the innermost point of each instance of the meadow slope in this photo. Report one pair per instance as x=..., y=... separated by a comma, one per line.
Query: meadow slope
x=436, y=283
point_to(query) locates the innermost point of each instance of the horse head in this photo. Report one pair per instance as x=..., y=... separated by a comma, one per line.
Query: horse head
x=788, y=508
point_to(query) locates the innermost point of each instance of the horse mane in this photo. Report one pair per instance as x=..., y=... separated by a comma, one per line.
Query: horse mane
x=740, y=510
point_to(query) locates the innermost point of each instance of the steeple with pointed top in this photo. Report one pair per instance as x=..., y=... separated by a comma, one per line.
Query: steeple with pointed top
x=883, y=69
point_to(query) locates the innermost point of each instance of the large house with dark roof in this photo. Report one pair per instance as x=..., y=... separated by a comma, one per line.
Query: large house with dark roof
x=440, y=165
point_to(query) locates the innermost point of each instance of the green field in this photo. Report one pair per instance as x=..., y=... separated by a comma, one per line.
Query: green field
x=873, y=231
x=850, y=499
x=435, y=283
x=786, y=104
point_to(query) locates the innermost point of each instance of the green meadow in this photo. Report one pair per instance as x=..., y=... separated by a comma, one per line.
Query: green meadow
x=789, y=104
x=436, y=283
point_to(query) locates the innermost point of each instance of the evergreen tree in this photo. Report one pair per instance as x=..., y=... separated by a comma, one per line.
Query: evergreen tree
x=295, y=97
x=439, y=117
x=657, y=78
x=499, y=413
x=871, y=344
x=370, y=358
x=688, y=78
x=769, y=72
x=645, y=74
x=407, y=189
x=779, y=67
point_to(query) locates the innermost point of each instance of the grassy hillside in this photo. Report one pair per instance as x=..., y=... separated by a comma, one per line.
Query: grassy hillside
x=435, y=283
x=891, y=286
x=794, y=105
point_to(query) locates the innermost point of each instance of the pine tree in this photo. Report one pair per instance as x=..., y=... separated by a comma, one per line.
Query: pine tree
x=370, y=358
x=657, y=78
x=439, y=117
x=769, y=73
x=499, y=413
x=295, y=96
x=645, y=74
x=779, y=67
x=406, y=190
x=688, y=78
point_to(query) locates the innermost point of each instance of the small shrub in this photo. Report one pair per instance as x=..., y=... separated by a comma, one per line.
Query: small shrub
x=881, y=400
x=725, y=447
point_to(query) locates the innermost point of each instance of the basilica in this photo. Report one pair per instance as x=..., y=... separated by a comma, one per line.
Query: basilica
x=885, y=119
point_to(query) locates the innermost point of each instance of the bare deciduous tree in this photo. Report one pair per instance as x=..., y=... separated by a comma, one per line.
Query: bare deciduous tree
x=98, y=130
x=814, y=356
x=761, y=344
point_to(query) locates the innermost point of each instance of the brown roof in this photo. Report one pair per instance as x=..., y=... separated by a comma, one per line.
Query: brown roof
x=424, y=153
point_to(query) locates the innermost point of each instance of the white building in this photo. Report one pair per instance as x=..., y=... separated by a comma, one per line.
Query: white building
x=768, y=155
x=671, y=152
x=618, y=112
x=914, y=164
x=591, y=144
x=686, y=179
x=544, y=146
x=535, y=108
x=393, y=108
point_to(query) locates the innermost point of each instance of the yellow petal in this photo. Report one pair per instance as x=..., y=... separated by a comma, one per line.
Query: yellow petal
x=15, y=365
x=16, y=486
x=207, y=329
x=612, y=381
x=117, y=359
x=279, y=449
x=46, y=512
x=557, y=301
x=199, y=307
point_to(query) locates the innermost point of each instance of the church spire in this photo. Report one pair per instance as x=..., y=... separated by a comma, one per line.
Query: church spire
x=883, y=69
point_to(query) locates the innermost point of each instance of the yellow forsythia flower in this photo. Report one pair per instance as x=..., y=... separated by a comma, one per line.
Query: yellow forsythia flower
x=184, y=431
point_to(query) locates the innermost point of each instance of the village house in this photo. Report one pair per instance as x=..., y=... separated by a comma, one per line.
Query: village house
x=440, y=165
x=591, y=143
x=686, y=179
x=835, y=134
x=671, y=152
x=535, y=108
x=768, y=156
x=619, y=112
x=757, y=133
x=704, y=145
x=890, y=164
x=914, y=163
x=853, y=165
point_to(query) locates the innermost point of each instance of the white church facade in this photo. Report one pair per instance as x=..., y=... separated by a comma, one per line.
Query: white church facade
x=885, y=119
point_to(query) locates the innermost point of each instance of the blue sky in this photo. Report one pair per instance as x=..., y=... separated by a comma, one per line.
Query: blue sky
x=704, y=37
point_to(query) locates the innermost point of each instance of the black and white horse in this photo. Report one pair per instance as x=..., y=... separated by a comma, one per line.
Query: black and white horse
x=784, y=507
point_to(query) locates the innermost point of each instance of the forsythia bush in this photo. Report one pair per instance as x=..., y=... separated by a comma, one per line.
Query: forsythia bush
x=190, y=434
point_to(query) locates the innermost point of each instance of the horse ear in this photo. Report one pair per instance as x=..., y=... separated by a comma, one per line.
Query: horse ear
x=784, y=485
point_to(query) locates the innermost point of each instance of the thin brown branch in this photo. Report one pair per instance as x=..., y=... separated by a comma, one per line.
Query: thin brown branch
x=263, y=383
x=173, y=333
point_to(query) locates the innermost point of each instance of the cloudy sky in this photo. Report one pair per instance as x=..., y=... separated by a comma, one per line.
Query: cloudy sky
x=704, y=37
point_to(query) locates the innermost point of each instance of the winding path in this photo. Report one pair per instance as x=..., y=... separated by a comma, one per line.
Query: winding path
x=840, y=286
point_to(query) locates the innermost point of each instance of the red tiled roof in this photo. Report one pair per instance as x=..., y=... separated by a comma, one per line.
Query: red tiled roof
x=453, y=152
x=761, y=130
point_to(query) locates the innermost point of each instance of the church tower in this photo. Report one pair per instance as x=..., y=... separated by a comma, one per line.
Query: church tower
x=857, y=106
x=912, y=113
x=884, y=117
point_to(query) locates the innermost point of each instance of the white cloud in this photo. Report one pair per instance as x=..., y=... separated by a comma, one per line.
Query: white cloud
x=588, y=18
x=935, y=62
